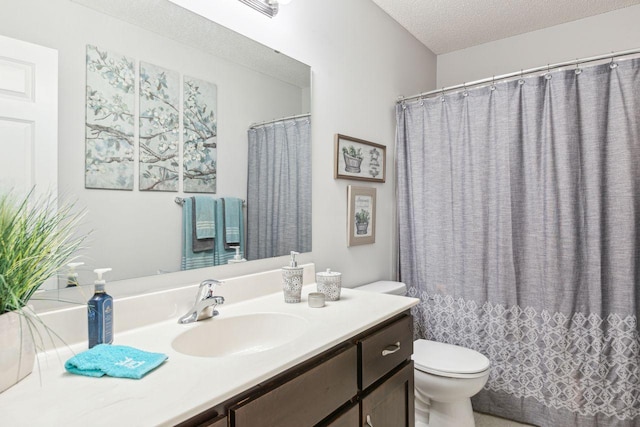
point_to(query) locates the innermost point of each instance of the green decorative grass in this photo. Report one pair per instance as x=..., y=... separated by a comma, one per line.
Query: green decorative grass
x=37, y=239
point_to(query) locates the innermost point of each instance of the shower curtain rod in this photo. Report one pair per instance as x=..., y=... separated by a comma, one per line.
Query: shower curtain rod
x=493, y=79
x=299, y=116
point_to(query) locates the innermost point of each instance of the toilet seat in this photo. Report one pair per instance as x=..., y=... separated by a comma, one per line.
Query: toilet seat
x=447, y=360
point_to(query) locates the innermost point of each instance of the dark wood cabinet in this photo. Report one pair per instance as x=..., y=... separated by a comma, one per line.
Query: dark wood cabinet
x=385, y=349
x=221, y=422
x=366, y=381
x=348, y=418
x=304, y=400
x=391, y=403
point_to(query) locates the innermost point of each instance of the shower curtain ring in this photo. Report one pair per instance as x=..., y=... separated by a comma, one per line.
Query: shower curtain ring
x=612, y=64
x=442, y=96
x=521, y=81
x=578, y=70
x=464, y=86
x=493, y=82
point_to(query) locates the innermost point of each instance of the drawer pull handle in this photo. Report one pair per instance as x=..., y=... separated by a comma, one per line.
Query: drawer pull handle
x=369, y=421
x=391, y=349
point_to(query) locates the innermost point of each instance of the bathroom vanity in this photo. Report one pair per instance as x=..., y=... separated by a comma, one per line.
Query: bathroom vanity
x=364, y=381
x=262, y=363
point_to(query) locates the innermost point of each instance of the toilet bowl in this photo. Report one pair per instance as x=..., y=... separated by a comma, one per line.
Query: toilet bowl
x=445, y=378
x=445, y=375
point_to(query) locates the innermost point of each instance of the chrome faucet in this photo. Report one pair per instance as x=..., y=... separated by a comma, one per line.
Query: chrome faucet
x=205, y=304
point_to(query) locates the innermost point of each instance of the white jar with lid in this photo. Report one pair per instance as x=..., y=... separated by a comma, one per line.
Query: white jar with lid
x=329, y=283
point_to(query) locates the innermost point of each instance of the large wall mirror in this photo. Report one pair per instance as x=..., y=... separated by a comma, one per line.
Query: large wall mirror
x=135, y=232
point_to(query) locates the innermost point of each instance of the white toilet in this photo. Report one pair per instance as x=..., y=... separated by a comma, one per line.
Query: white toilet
x=445, y=375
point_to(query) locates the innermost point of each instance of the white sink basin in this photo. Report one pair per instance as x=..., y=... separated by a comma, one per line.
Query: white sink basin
x=238, y=335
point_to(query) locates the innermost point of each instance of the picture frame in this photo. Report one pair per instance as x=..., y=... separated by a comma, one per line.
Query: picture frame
x=359, y=159
x=361, y=215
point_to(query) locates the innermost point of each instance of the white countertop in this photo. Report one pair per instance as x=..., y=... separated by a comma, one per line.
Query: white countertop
x=185, y=386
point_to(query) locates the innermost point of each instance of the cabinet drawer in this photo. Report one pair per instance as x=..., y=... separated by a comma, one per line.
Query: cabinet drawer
x=222, y=422
x=384, y=350
x=304, y=400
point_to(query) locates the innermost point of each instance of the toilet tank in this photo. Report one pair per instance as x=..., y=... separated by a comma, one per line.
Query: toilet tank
x=385, y=287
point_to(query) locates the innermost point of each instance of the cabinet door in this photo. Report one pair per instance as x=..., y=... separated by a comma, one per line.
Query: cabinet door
x=350, y=418
x=391, y=403
x=306, y=399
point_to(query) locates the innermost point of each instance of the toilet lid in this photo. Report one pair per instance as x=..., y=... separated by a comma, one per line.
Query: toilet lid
x=385, y=287
x=440, y=358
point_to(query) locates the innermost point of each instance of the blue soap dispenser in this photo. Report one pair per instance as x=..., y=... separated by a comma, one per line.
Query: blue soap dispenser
x=100, y=313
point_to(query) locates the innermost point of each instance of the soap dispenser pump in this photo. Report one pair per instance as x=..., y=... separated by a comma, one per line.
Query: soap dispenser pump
x=292, y=280
x=72, y=275
x=100, y=312
x=237, y=257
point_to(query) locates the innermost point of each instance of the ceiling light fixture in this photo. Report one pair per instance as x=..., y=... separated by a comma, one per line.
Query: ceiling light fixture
x=267, y=7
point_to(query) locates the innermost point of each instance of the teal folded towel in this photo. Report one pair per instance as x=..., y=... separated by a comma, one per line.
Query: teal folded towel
x=205, y=214
x=114, y=361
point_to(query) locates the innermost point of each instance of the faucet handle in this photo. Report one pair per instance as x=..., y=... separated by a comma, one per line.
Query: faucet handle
x=207, y=288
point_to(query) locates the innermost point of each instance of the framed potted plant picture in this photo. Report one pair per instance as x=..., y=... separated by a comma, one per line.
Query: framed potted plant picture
x=361, y=215
x=359, y=159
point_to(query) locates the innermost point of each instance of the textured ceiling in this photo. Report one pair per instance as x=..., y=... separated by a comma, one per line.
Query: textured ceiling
x=447, y=25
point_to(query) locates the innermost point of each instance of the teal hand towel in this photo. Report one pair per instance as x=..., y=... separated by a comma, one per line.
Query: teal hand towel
x=200, y=223
x=191, y=259
x=114, y=361
x=224, y=251
x=232, y=220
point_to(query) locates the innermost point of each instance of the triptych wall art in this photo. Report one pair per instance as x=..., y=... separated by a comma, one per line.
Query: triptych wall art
x=111, y=118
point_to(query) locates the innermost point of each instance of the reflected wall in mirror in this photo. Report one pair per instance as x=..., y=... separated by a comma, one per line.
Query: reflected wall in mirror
x=139, y=233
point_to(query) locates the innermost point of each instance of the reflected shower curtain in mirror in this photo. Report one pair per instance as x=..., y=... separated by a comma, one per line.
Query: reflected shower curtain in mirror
x=279, y=188
x=519, y=228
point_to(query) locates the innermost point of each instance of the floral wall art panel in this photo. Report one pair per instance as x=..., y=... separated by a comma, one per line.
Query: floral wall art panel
x=200, y=136
x=159, y=128
x=109, y=121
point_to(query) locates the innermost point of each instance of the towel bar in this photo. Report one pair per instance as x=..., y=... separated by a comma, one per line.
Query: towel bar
x=180, y=201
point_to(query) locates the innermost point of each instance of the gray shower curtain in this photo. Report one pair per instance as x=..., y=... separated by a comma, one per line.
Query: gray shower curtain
x=279, y=189
x=519, y=212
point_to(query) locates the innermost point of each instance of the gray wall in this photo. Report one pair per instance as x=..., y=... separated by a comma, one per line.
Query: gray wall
x=600, y=34
x=361, y=61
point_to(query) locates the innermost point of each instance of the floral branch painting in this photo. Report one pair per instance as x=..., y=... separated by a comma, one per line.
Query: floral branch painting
x=159, y=128
x=109, y=122
x=200, y=136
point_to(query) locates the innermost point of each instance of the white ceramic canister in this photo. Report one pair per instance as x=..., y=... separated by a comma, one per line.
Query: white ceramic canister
x=329, y=283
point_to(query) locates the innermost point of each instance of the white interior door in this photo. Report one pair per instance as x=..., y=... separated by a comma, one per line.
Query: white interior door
x=28, y=117
x=28, y=120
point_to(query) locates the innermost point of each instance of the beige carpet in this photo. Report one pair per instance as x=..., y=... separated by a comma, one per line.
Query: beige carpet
x=483, y=420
